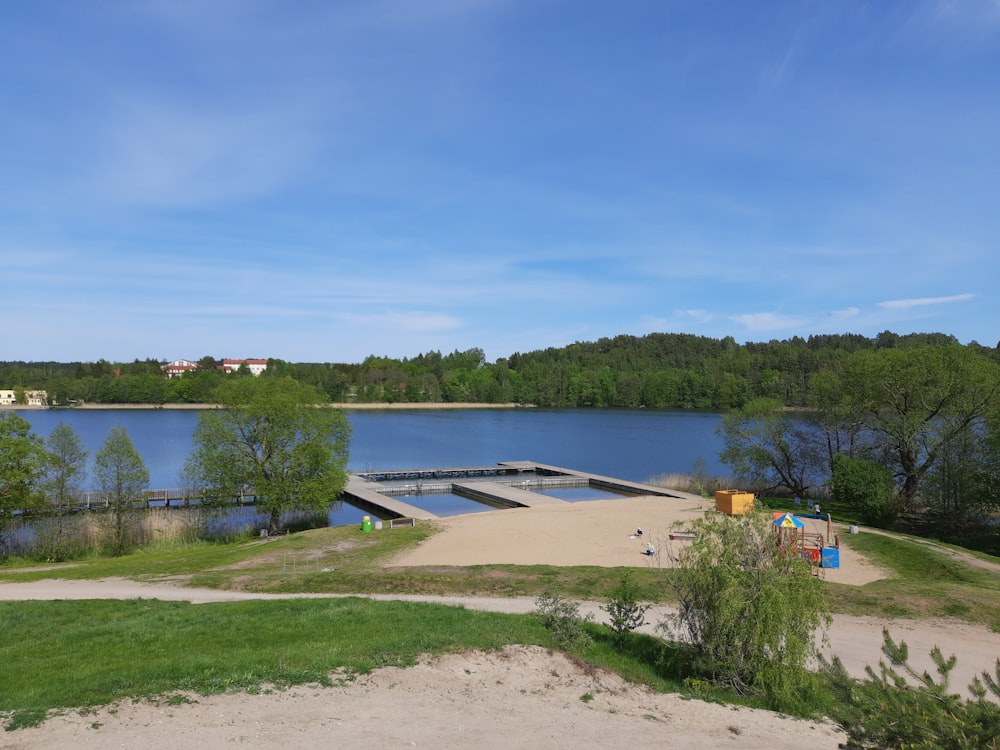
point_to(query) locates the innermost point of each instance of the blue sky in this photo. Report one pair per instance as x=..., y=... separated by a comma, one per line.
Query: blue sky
x=321, y=181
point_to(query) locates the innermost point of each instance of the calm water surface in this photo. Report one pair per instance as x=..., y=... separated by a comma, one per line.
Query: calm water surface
x=636, y=445
x=629, y=444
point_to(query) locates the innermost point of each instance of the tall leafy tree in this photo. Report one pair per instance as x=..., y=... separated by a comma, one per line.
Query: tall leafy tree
x=866, y=486
x=839, y=422
x=22, y=462
x=208, y=363
x=273, y=437
x=917, y=401
x=122, y=475
x=765, y=444
x=990, y=468
x=65, y=466
x=65, y=470
x=963, y=481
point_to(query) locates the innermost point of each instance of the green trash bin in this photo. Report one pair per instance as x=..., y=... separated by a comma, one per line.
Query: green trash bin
x=366, y=523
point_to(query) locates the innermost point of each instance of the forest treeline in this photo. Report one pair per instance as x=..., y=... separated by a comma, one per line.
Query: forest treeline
x=659, y=370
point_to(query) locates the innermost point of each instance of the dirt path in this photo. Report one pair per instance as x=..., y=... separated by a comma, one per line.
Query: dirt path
x=955, y=554
x=856, y=640
x=519, y=698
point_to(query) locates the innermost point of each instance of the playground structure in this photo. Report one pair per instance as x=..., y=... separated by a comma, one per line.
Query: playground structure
x=819, y=550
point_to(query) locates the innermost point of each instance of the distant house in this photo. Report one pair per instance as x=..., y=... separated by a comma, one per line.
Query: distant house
x=178, y=367
x=257, y=366
x=31, y=398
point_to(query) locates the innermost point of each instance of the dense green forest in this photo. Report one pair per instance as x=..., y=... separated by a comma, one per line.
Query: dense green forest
x=892, y=427
x=660, y=370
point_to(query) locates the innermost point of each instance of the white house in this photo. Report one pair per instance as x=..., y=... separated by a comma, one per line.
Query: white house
x=8, y=397
x=257, y=366
x=178, y=367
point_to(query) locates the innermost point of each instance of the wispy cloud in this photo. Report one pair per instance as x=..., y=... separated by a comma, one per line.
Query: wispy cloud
x=327, y=180
x=159, y=154
x=968, y=14
x=845, y=316
x=701, y=316
x=766, y=321
x=677, y=321
x=776, y=76
x=414, y=321
x=957, y=25
x=907, y=304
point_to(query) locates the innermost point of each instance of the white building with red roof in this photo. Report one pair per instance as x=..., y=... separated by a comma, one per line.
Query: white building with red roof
x=178, y=367
x=257, y=366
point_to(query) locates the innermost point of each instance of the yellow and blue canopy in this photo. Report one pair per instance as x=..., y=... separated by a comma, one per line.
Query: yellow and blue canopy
x=788, y=521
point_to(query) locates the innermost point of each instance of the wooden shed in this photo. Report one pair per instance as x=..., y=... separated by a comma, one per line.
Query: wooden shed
x=733, y=502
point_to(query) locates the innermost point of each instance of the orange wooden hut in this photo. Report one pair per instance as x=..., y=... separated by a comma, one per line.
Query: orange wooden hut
x=733, y=502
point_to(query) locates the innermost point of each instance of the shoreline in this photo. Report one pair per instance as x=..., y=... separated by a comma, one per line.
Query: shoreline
x=348, y=405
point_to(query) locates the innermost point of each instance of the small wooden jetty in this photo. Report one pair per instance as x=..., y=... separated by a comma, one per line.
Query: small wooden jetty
x=509, y=484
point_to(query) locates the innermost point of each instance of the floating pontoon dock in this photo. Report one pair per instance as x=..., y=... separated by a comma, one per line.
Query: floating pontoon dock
x=510, y=484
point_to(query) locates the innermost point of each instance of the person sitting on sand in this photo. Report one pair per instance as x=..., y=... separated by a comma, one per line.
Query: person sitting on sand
x=650, y=550
x=638, y=532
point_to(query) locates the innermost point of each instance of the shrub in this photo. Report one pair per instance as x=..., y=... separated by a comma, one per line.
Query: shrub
x=748, y=609
x=561, y=617
x=865, y=486
x=887, y=710
x=625, y=610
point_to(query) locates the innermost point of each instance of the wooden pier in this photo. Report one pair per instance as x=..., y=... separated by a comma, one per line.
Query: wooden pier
x=621, y=486
x=362, y=494
x=511, y=484
x=503, y=496
x=174, y=497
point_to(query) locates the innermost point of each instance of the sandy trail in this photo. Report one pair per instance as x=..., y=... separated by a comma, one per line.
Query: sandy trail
x=519, y=698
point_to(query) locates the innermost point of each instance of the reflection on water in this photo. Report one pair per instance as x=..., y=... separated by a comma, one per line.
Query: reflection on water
x=444, y=504
x=634, y=445
x=628, y=444
x=83, y=529
x=577, y=494
x=249, y=517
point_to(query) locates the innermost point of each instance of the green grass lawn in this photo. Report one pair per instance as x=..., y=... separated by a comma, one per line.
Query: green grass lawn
x=97, y=652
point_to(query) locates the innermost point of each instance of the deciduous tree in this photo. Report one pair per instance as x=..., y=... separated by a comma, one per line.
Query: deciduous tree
x=122, y=475
x=22, y=461
x=748, y=608
x=917, y=401
x=273, y=437
x=65, y=466
x=865, y=486
x=764, y=443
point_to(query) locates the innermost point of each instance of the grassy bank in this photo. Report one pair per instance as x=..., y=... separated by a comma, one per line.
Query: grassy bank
x=96, y=652
x=926, y=581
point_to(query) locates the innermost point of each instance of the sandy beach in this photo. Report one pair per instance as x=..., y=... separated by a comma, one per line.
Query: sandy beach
x=522, y=697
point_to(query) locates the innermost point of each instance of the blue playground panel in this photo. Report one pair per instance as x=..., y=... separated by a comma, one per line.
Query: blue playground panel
x=831, y=557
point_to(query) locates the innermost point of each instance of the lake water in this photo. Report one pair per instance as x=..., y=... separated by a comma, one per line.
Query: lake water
x=629, y=444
